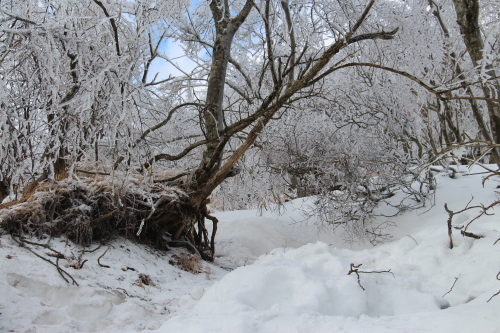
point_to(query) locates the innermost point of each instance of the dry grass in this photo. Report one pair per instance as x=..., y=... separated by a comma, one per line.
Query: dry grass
x=144, y=280
x=191, y=263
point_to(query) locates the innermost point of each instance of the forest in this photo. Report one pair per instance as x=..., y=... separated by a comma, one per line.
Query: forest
x=249, y=165
x=130, y=117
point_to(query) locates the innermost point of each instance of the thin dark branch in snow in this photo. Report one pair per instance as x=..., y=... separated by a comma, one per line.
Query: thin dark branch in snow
x=493, y=296
x=124, y=291
x=22, y=243
x=361, y=19
x=91, y=251
x=59, y=254
x=79, y=264
x=451, y=288
x=354, y=269
x=170, y=179
x=168, y=157
x=167, y=119
x=102, y=255
x=498, y=278
x=463, y=229
x=376, y=35
x=88, y=251
x=469, y=234
x=413, y=239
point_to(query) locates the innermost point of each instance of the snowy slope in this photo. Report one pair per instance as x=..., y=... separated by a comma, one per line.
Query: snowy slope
x=291, y=278
x=34, y=297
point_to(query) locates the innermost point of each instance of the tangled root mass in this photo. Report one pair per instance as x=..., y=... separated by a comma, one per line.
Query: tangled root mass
x=98, y=208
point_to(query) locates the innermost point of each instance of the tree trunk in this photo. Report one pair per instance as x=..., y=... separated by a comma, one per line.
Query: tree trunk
x=4, y=190
x=213, y=115
x=468, y=20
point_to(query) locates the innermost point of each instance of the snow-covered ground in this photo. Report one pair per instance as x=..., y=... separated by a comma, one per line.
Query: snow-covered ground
x=273, y=274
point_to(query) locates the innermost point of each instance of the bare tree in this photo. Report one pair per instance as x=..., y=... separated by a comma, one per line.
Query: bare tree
x=96, y=105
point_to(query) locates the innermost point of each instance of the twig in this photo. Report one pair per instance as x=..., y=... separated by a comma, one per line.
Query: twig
x=451, y=288
x=357, y=273
x=59, y=254
x=413, y=239
x=498, y=278
x=94, y=172
x=124, y=291
x=493, y=296
x=102, y=255
x=354, y=269
x=171, y=178
x=59, y=269
x=484, y=211
x=496, y=241
x=82, y=263
x=91, y=251
x=470, y=234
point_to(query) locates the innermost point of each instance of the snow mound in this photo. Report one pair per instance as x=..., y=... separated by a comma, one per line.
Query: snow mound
x=309, y=290
x=312, y=279
x=35, y=298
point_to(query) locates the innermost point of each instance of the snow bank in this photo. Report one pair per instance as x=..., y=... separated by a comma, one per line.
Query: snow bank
x=34, y=297
x=309, y=290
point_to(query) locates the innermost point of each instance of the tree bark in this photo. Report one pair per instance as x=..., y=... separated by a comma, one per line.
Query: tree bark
x=213, y=115
x=468, y=20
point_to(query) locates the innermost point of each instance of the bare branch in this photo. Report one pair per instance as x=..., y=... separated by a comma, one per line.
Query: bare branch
x=17, y=17
x=375, y=35
x=291, y=32
x=113, y=26
x=456, y=279
x=354, y=269
x=168, y=157
x=361, y=19
x=164, y=122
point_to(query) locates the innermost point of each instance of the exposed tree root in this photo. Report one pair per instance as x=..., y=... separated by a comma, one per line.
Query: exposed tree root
x=98, y=208
x=102, y=255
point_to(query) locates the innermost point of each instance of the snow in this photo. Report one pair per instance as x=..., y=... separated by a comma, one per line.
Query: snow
x=274, y=274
